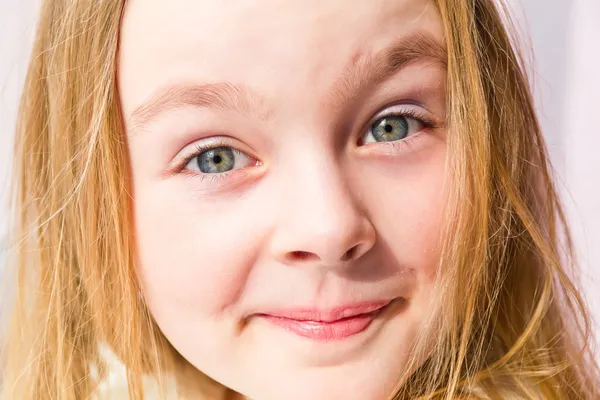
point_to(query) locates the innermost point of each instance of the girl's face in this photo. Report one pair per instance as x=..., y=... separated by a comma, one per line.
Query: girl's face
x=288, y=170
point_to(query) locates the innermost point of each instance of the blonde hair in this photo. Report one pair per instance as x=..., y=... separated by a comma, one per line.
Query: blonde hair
x=515, y=325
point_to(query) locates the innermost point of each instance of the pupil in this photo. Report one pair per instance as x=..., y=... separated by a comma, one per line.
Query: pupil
x=217, y=159
x=388, y=128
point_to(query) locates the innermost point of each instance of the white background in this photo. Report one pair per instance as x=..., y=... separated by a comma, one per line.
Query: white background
x=565, y=38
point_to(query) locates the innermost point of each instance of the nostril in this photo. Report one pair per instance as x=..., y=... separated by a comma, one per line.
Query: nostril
x=350, y=253
x=301, y=255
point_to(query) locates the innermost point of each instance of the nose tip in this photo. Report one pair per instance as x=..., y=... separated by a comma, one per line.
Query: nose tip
x=332, y=244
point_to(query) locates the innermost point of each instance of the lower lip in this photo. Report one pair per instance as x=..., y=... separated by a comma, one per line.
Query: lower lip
x=326, y=331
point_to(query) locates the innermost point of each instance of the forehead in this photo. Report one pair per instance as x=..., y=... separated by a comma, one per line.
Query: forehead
x=277, y=47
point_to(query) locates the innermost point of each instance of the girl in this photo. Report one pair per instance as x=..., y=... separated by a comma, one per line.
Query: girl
x=288, y=200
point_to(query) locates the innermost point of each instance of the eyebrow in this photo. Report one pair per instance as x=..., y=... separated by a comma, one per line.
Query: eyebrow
x=224, y=96
x=227, y=96
x=375, y=69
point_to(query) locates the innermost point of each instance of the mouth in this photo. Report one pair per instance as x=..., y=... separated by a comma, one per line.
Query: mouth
x=327, y=325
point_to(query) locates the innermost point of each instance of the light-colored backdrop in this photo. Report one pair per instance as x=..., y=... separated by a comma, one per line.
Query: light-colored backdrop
x=565, y=38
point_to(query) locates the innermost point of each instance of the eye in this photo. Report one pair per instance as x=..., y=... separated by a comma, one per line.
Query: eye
x=395, y=126
x=217, y=160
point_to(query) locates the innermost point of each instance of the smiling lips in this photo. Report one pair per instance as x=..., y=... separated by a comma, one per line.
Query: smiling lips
x=336, y=324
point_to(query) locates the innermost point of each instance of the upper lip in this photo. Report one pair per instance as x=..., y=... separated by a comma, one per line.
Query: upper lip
x=329, y=315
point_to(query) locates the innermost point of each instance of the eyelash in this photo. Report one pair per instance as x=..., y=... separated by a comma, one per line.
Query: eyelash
x=201, y=148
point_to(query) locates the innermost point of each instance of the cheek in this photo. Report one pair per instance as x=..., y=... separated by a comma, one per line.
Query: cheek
x=406, y=203
x=193, y=256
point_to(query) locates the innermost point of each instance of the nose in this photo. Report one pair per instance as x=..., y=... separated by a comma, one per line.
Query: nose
x=321, y=223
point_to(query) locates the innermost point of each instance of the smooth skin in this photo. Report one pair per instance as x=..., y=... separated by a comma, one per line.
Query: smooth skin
x=315, y=197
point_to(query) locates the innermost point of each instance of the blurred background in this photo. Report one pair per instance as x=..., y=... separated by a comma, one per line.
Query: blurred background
x=561, y=41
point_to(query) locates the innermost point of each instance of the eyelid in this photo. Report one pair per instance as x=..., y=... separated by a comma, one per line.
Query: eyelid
x=410, y=109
